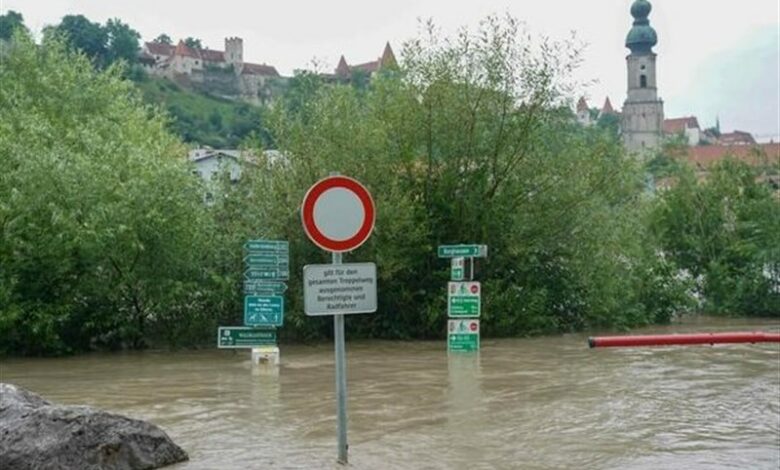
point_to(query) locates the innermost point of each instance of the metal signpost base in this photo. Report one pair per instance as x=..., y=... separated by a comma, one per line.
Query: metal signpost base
x=338, y=215
x=341, y=378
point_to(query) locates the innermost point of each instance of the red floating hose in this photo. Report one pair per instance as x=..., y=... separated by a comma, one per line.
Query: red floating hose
x=695, y=338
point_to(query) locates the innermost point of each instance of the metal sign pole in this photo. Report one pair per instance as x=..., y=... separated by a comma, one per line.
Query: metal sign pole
x=341, y=378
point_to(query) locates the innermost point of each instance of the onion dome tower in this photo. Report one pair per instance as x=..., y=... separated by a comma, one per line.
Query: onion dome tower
x=643, y=112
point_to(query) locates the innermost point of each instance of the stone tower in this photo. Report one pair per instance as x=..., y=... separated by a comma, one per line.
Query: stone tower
x=234, y=50
x=643, y=112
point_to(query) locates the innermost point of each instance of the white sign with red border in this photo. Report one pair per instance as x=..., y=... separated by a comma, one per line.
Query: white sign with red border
x=338, y=214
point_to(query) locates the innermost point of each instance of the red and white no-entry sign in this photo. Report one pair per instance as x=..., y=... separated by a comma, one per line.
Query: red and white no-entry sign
x=338, y=214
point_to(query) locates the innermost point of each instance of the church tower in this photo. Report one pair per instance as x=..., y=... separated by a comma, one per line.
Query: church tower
x=643, y=112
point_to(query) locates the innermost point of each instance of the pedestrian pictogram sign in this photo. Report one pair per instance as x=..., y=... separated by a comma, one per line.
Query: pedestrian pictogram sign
x=463, y=299
x=463, y=335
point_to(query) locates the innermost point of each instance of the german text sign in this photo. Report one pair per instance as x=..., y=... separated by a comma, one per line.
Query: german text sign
x=267, y=273
x=267, y=246
x=330, y=289
x=463, y=335
x=467, y=251
x=264, y=287
x=263, y=310
x=463, y=299
x=232, y=337
x=268, y=260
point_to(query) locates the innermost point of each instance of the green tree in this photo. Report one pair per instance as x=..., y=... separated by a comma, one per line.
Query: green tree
x=163, y=39
x=610, y=122
x=469, y=142
x=122, y=43
x=85, y=36
x=9, y=23
x=725, y=232
x=102, y=233
x=193, y=43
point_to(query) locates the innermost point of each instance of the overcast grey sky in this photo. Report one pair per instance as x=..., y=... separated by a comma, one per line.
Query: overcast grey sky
x=714, y=57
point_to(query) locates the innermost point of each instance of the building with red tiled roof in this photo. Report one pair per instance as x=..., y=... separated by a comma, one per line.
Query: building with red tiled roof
x=765, y=158
x=159, y=49
x=182, y=59
x=196, y=67
x=210, y=55
x=344, y=71
x=702, y=157
x=259, y=69
x=582, y=105
x=678, y=125
x=687, y=127
x=607, y=108
x=736, y=138
x=583, y=112
x=185, y=51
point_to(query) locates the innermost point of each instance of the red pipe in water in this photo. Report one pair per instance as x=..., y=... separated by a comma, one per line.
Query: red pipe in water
x=695, y=338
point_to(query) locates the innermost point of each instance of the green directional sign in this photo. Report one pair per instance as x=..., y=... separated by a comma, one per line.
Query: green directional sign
x=463, y=335
x=264, y=287
x=267, y=260
x=267, y=246
x=463, y=299
x=467, y=251
x=457, y=268
x=231, y=337
x=266, y=273
x=263, y=310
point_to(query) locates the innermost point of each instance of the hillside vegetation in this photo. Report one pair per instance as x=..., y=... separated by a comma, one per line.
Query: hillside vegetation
x=203, y=119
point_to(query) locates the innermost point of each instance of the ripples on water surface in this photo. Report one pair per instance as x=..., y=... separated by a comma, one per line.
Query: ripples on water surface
x=544, y=403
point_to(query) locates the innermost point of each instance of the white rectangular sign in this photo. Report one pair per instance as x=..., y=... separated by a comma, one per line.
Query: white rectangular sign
x=330, y=289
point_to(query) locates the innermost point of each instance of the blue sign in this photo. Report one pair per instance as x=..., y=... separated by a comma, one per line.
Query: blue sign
x=263, y=310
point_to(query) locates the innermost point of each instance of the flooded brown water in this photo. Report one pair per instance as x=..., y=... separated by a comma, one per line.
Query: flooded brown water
x=543, y=403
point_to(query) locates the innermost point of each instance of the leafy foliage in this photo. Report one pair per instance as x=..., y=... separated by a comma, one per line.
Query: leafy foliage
x=9, y=23
x=193, y=43
x=101, y=225
x=103, y=44
x=467, y=142
x=122, y=43
x=106, y=242
x=725, y=231
x=163, y=39
x=203, y=119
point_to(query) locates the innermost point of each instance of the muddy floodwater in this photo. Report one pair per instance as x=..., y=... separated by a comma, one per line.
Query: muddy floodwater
x=543, y=403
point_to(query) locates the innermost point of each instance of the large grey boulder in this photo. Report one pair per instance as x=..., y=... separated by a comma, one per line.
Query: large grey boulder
x=36, y=434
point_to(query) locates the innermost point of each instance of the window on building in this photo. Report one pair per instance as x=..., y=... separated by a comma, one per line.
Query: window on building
x=643, y=81
x=196, y=62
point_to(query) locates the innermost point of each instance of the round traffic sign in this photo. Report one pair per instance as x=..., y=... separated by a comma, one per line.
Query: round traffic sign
x=338, y=214
x=474, y=288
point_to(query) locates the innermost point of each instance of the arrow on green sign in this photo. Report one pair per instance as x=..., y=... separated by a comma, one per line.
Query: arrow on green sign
x=267, y=260
x=269, y=246
x=268, y=274
x=264, y=288
x=467, y=251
